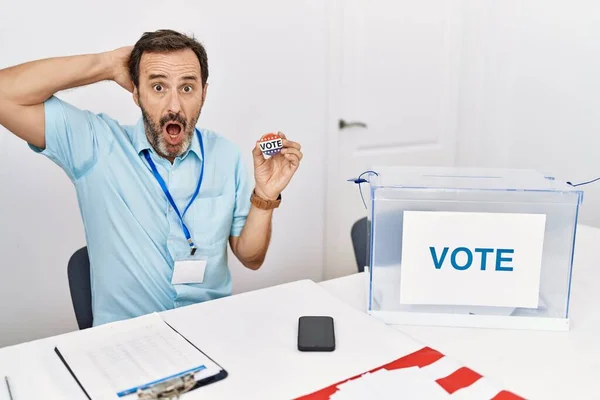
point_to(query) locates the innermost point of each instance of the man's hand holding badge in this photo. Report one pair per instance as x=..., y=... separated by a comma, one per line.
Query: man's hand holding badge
x=276, y=159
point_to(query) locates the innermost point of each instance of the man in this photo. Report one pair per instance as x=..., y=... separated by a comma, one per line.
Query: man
x=159, y=200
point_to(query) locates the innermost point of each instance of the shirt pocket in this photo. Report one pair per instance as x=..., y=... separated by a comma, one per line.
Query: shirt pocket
x=212, y=219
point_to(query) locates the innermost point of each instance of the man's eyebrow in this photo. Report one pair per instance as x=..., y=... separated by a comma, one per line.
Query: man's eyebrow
x=157, y=76
x=189, y=78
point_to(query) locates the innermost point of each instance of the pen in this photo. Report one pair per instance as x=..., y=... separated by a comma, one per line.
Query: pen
x=8, y=387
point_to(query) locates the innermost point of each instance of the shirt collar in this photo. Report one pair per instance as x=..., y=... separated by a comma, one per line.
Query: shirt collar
x=141, y=143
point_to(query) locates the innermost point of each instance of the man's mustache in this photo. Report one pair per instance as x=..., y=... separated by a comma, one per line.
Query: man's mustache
x=171, y=117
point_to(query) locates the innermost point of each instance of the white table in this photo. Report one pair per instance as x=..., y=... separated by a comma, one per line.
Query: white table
x=535, y=364
x=253, y=336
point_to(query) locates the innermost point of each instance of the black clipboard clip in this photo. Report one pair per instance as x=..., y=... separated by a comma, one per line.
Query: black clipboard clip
x=171, y=389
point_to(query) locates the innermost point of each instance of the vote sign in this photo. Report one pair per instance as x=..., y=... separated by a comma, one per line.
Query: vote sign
x=473, y=259
x=270, y=144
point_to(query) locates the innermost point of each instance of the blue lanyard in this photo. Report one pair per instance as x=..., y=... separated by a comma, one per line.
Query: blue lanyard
x=163, y=185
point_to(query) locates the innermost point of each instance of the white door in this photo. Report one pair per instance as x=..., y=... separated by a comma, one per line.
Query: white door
x=395, y=69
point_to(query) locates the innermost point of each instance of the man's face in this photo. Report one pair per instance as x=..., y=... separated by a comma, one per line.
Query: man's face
x=170, y=95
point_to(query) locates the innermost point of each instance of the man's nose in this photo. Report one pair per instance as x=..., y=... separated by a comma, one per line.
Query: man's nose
x=174, y=105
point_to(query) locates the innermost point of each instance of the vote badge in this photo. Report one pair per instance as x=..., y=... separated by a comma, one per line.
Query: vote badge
x=270, y=144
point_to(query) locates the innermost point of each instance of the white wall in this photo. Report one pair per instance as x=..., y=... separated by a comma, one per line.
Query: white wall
x=530, y=90
x=267, y=62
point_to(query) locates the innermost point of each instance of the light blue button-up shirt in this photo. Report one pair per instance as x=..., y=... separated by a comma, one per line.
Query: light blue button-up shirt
x=133, y=234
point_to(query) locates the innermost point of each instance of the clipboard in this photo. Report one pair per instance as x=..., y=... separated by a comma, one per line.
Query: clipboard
x=170, y=387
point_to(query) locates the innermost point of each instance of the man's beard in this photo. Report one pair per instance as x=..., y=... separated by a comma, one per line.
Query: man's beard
x=154, y=133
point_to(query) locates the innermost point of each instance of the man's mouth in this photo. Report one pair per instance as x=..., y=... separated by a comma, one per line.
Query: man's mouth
x=173, y=129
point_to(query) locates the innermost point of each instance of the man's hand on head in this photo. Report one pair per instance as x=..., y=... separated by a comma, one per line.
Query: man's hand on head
x=25, y=88
x=119, y=63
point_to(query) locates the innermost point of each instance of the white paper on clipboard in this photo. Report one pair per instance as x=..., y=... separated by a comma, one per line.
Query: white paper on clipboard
x=113, y=361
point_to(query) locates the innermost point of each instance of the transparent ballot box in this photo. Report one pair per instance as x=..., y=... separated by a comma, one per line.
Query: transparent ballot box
x=470, y=247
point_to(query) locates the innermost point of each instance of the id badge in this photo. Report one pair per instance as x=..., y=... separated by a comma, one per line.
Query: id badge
x=188, y=271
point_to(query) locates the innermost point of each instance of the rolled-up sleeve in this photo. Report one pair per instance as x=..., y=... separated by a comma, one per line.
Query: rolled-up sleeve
x=242, y=197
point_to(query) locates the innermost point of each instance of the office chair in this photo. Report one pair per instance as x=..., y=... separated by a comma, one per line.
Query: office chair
x=360, y=241
x=389, y=239
x=78, y=271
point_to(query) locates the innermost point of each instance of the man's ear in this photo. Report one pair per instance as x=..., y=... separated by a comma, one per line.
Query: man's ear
x=136, y=96
x=204, y=90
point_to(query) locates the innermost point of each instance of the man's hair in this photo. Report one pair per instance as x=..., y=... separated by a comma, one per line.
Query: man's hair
x=163, y=41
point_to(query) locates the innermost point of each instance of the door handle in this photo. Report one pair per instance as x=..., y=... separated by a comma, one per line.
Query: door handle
x=343, y=124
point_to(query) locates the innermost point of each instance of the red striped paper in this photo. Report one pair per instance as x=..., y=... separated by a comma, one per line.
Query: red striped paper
x=458, y=380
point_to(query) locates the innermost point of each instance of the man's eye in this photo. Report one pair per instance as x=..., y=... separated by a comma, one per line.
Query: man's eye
x=158, y=88
x=187, y=89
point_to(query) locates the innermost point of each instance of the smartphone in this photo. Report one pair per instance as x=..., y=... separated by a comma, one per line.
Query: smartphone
x=316, y=333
